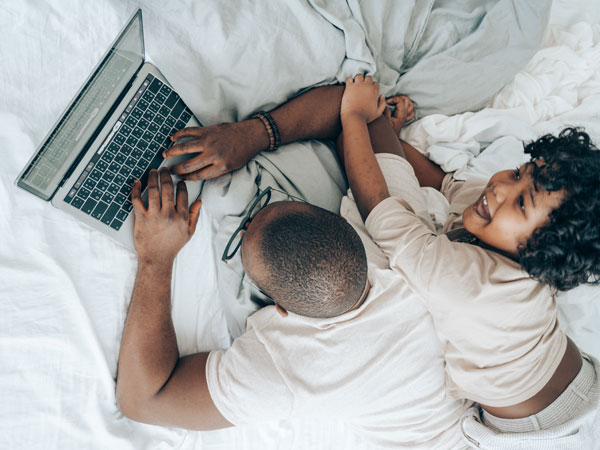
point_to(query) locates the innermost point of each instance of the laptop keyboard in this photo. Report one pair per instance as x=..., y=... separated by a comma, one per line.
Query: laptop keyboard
x=131, y=150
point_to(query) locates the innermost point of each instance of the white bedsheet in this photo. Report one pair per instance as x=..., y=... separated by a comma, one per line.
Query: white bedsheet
x=64, y=289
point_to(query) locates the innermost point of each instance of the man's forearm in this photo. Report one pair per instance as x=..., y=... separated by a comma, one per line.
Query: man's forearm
x=314, y=114
x=149, y=347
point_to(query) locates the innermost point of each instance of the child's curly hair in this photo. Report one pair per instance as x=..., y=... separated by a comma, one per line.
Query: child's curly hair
x=566, y=252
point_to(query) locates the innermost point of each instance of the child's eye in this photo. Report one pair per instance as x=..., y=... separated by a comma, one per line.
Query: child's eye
x=522, y=203
x=517, y=173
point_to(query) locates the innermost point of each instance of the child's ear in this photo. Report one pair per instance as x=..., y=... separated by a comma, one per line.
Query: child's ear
x=281, y=310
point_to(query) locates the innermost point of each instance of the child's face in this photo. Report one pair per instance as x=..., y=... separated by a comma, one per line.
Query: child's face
x=510, y=209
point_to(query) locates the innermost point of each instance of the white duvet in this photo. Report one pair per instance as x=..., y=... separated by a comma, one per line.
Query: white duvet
x=64, y=289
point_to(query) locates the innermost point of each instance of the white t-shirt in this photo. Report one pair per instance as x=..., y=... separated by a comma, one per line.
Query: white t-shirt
x=378, y=367
x=498, y=326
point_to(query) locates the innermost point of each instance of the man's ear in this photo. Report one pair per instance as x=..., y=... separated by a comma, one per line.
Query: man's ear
x=281, y=310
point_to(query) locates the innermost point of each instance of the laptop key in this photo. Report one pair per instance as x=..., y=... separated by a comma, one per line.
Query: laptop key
x=160, y=98
x=122, y=215
x=165, y=90
x=119, y=139
x=171, y=121
x=101, y=165
x=120, y=199
x=137, y=172
x=130, y=162
x=131, y=121
x=108, y=176
x=113, y=189
x=89, y=184
x=113, y=147
x=114, y=167
x=116, y=224
x=179, y=107
x=137, y=113
x=148, y=95
x=107, y=157
x=148, y=115
x=171, y=100
x=155, y=85
x=110, y=213
x=125, y=130
x=96, y=194
x=96, y=174
x=89, y=205
x=125, y=171
x=186, y=116
x=77, y=202
x=83, y=193
x=154, y=107
x=108, y=197
x=133, y=139
x=148, y=135
x=119, y=179
x=99, y=210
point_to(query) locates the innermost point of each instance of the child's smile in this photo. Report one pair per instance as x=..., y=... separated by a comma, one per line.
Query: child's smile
x=510, y=209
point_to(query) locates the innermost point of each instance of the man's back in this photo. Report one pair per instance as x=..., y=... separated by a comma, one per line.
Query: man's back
x=366, y=367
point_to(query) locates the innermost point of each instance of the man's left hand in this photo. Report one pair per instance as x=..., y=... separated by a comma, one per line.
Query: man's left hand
x=165, y=226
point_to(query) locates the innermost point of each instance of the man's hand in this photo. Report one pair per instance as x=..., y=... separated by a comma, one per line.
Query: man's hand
x=164, y=227
x=362, y=100
x=219, y=148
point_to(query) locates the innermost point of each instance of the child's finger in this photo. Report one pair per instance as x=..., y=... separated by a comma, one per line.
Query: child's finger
x=381, y=105
x=388, y=114
x=359, y=78
x=393, y=100
x=349, y=80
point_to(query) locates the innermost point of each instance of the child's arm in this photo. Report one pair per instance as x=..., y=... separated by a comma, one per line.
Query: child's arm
x=362, y=104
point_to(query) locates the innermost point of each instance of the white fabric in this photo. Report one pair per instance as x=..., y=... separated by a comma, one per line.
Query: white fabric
x=346, y=367
x=64, y=288
x=571, y=422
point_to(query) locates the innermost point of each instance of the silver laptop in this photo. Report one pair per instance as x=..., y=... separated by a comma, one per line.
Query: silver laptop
x=112, y=132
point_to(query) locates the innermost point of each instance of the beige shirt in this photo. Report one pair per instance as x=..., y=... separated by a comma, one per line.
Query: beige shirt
x=379, y=368
x=498, y=327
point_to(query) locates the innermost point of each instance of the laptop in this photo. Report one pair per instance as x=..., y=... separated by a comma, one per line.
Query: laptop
x=113, y=132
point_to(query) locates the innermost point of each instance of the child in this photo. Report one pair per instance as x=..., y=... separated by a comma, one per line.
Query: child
x=497, y=323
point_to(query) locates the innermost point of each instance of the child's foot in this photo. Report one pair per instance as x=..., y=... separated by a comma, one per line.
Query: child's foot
x=405, y=111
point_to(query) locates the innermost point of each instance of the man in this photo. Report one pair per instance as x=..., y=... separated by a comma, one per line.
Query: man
x=331, y=347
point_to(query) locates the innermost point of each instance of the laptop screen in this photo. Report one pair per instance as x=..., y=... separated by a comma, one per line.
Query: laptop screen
x=86, y=112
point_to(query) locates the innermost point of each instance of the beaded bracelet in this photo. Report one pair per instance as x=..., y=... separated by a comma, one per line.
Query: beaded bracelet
x=272, y=129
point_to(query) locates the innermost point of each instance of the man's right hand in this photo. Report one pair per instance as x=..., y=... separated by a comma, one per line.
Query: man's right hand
x=219, y=148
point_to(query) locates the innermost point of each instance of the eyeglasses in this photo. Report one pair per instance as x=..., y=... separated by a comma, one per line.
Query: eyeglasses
x=235, y=242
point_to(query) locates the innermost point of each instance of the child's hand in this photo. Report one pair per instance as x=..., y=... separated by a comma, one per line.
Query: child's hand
x=361, y=99
x=405, y=111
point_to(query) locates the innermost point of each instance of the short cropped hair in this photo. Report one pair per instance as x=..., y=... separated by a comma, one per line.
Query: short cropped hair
x=315, y=262
x=566, y=252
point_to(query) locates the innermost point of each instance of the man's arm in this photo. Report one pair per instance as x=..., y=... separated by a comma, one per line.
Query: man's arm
x=155, y=385
x=219, y=149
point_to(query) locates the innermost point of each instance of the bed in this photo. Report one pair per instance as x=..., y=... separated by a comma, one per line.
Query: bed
x=64, y=288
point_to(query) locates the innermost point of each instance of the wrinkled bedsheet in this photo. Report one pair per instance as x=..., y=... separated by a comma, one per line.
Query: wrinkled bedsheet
x=64, y=289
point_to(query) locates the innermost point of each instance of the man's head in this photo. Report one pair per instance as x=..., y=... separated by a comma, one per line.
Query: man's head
x=308, y=260
x=545, y=213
